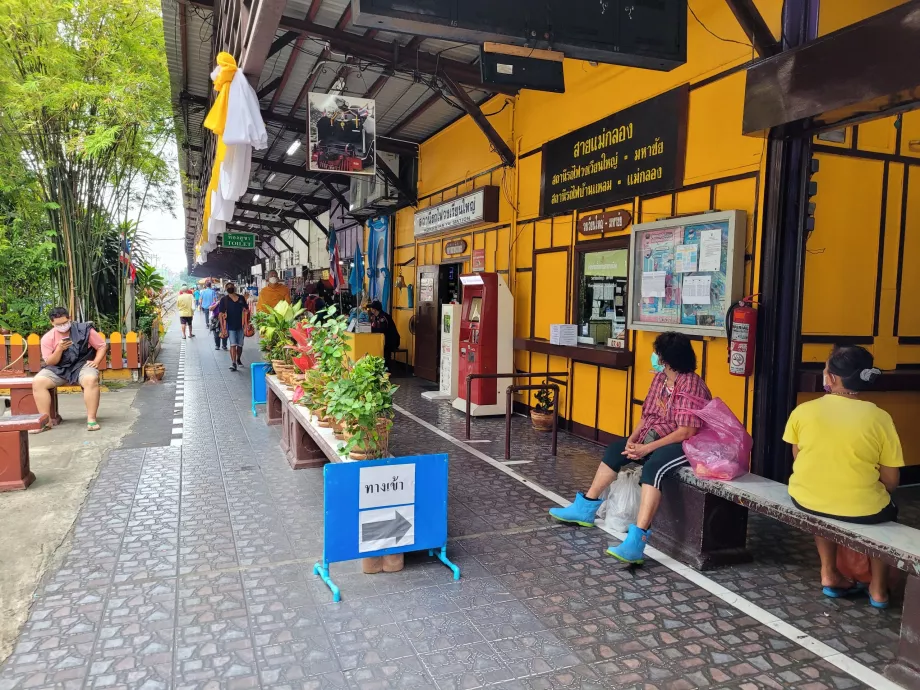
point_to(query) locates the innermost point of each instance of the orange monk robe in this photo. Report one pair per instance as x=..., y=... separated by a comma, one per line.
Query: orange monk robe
x=270, y=295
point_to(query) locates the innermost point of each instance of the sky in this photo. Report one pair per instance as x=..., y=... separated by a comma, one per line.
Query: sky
x=167, y=229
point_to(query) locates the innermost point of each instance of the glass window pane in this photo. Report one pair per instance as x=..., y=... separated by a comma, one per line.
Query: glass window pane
x=601, y=310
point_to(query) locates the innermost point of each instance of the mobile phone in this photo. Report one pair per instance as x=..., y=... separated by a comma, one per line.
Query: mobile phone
x=67, y=341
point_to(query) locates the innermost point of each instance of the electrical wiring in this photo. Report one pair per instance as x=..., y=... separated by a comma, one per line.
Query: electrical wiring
x=726, y=40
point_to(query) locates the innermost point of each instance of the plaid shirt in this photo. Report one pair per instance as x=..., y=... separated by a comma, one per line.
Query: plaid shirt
x=664, y=411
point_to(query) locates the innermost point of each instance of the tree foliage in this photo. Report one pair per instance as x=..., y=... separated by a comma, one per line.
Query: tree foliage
x=85, y=104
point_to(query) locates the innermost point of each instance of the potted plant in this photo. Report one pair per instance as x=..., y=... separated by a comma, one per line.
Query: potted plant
x=362, y=401
x=541, y=416
x=329, y=351
x=274, y=330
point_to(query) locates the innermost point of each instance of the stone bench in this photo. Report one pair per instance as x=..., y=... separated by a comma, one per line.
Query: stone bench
x=15, y=473
x=23, y=402
x=304, y=443
x=704, y=524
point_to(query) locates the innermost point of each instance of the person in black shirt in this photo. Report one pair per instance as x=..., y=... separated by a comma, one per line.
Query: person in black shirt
x=381, y=322
x=234, y=318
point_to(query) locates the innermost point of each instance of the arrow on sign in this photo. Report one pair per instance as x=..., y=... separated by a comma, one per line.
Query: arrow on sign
x=396, y=529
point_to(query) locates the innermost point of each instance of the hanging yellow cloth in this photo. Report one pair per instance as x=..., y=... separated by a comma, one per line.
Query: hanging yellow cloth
x=217, y=116
x=216, y=121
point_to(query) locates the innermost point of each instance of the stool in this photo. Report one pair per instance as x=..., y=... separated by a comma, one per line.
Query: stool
x=15, y=473
x=404, y=362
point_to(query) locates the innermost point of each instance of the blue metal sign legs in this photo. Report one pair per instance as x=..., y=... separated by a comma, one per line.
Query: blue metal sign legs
x=381, y=507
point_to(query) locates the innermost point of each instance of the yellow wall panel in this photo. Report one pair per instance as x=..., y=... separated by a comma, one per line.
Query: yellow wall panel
x=910, y=134
x=840, y=13
x=716, y=110
x=742, y=195
x=523, y=245
x=522, y=295
x=529, y=171
x=721, y=383
x=490, y=250
x=693, y=201
x=549, y=293
x=559, y=364
x=563, y=230
x=613, y=402
x=502, y=240
x=654, y=209
x=584, y=393
x=879, y=135
x=909, y=311
x=840, y=282
x=543, y=234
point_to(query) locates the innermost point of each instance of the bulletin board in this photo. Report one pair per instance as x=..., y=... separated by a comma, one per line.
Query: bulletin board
x=686, y=272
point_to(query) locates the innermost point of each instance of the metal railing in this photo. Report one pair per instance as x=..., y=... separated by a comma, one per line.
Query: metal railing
x=525, y=375
x=530, y=387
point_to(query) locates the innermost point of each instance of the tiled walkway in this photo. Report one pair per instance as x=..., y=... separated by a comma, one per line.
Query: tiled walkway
x=191, y=566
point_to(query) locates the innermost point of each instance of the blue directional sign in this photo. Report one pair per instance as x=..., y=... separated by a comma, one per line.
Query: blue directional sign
x=379, y=507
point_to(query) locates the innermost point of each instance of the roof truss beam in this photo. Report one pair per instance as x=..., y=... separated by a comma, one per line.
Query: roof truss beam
x=501, y=147
x=290, y=196
x=754, y=27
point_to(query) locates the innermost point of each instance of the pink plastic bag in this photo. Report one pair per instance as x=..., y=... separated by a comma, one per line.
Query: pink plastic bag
x=722, y=448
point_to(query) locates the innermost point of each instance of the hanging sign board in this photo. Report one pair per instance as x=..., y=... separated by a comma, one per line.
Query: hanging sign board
x=455, y=247
x=238, y=240
x=599, y=223
x=342, y=134
x=637, y=151
x=479, y=260
x=479, y=206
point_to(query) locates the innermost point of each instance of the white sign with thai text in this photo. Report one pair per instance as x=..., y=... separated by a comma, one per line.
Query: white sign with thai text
x=386, y=485
x=456, y=213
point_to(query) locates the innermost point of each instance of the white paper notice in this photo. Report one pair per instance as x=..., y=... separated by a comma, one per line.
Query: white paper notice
x=696, y=289
x=653, y=283
x=710, y=251
x=685, y=258
x=386, y=485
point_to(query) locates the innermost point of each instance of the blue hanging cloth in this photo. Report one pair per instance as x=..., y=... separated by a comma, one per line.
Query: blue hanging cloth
x=356, y=279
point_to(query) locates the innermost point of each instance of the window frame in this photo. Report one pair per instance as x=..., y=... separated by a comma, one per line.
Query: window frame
x=589, y=247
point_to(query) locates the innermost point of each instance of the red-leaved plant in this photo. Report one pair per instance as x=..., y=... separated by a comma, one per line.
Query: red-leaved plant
x=304, y=359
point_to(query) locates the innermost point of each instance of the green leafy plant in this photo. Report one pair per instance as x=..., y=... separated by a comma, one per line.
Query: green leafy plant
x=274, y=329
x=362, y=400
x=544, y=399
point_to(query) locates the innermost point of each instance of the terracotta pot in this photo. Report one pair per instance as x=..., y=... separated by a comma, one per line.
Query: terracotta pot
x=379, y=450
x=325, y=422
x=338, y=430
x=277, y=363
x=394, y=562
x=542, y=421
x=154, y=372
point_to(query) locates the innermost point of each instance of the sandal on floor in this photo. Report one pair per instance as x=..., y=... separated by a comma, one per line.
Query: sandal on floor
x=41, y=430
x=92, y=426
x=843, y=592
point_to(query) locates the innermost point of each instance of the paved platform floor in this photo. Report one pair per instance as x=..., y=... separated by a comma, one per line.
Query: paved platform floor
x=191, y=567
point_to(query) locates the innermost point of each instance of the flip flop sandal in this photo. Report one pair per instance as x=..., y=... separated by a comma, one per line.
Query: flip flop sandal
x=882, y=605
x=93, y=426
x=842, y=592
x=43, y=429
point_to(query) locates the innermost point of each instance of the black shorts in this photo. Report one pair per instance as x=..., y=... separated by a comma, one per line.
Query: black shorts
x=655, y=466
x=186, y=320
x=887, y=514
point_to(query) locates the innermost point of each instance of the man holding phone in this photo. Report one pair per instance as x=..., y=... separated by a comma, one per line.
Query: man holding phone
x=73, y=353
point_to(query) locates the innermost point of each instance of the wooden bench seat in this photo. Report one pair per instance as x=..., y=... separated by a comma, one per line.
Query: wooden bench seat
x=23, y=402
x=704, y=523
x=15, y=473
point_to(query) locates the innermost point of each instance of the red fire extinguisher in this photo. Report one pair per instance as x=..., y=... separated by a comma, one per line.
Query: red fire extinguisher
x=741, y=328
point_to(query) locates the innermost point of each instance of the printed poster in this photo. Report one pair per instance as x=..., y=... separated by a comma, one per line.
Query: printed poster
x=658, y=256
x=342, y=134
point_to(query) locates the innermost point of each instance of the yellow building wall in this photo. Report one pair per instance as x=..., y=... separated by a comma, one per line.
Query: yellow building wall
x=724, y=171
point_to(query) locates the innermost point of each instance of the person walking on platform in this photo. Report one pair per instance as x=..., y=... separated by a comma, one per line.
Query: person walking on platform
x=185, y=305
x=667, y=420
x=206, y=300
x=234, y=318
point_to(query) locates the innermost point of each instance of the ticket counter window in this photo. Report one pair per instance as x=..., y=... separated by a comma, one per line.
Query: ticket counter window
x=601, y=307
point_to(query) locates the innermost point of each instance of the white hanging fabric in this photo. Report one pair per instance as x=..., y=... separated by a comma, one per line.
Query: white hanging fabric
x=244, y=119
x=234, y=171
x=221, y=209
x=217, y=227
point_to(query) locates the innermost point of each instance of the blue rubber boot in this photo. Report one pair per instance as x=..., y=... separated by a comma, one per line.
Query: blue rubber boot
x=633, y=549
x=581, y=512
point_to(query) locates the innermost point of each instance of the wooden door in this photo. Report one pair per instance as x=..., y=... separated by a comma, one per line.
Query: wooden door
x=427, y=324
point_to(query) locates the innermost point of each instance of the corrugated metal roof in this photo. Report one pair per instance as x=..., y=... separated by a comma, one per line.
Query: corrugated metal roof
x=400, y=95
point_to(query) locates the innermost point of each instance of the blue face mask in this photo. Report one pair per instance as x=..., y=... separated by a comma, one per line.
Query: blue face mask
x=657, y=366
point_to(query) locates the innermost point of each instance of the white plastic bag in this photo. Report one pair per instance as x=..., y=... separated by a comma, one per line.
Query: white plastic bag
x=621, y=502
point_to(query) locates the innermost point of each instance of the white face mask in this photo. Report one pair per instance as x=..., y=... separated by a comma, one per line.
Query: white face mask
x=63, y=327
x=272, y=280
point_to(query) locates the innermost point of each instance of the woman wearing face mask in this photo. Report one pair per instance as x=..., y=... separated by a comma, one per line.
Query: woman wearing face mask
x=847, y=454
x=667, y=420
x=234, y=317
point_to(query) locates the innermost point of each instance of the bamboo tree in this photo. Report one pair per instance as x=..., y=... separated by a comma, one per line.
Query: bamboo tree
x=85, y=98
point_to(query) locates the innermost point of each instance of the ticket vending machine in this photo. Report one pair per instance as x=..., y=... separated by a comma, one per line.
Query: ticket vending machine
x=486, y=342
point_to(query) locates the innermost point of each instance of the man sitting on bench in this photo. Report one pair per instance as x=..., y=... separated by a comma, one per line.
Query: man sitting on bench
x=666, y=421
x=73, y=353
x=847, y=459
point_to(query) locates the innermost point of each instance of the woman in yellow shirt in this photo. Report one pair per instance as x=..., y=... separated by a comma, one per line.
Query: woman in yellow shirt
x=847, y=454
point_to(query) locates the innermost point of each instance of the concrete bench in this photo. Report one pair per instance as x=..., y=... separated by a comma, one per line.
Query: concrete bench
x=704, y=523
x=22, y=400
x=15, y=473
